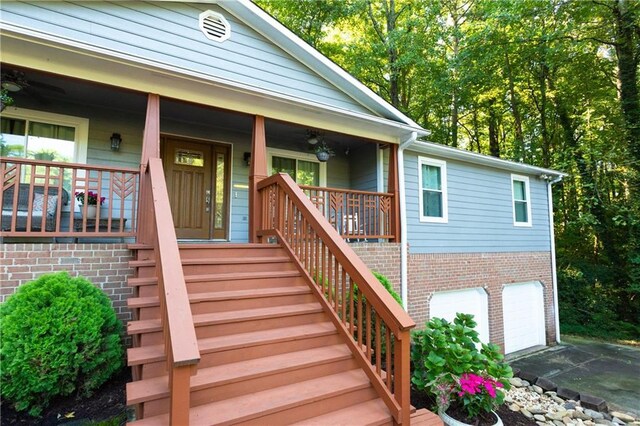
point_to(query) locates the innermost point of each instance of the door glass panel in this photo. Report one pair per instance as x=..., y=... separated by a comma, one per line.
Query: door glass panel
x=284, y=165
x=219, y=192
x=308, y=173
x=189, y=158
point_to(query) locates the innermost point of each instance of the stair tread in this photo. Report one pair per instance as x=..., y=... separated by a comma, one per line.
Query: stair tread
x=221, y=246
x=370, y=413
x=137, y=302
x=219, y=277
x=218, y=260
x=152, y=325
x=258, y=404
x=424, y=417
x=154, y=353
x=158, y=387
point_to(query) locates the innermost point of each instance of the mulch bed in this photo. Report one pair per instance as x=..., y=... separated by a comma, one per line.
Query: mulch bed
x=509, y=418
x=107, y=403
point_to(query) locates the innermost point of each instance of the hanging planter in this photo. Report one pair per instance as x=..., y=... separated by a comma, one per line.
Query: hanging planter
x=5, y=99
x=323, y=152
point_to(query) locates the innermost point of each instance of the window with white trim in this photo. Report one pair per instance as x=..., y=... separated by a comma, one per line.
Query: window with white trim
x=521, y=200
x=432, y=178
x=43, y=136
x=304, y=169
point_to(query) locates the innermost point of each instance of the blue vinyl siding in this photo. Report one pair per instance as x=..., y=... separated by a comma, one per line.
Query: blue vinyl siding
x=480, y=212
x=363, y=164
x=168, y=33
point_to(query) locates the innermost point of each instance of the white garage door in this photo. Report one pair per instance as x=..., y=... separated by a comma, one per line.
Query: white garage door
x=473, y=301
x=523, y=310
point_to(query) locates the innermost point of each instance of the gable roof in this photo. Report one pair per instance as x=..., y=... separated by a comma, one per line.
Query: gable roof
x=272, y=29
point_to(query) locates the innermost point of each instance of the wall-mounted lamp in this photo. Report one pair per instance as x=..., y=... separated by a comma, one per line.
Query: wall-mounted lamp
x=247, y=158
x=115, y=142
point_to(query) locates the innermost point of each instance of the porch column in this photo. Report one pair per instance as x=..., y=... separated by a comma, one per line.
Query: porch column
x=393, y=188
x=257, y=173
x=150, y=149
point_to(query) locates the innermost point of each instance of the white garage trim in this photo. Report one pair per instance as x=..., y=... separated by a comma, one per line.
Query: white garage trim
x=523, y=316
x=445, y=304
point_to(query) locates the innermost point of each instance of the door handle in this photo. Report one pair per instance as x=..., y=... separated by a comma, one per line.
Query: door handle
x=207, y=200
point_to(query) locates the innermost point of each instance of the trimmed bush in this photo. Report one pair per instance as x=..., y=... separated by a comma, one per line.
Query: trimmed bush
x=59, y=335
x=386, y=284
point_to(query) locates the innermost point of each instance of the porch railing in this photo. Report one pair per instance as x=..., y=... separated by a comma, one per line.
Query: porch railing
x=39, y=199
x=355, y=214
x=376, y=326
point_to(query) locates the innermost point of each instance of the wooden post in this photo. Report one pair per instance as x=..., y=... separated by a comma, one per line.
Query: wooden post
x=180, y=393
x=402, y=379
x=394, y=188
x=150, y=149
x=257, y=173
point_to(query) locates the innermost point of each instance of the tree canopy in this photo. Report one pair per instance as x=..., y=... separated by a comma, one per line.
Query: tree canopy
x=553, y=83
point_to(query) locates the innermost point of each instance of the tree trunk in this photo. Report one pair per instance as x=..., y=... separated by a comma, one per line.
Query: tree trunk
x=494, y=143
x=521, y=154
x=627, y=51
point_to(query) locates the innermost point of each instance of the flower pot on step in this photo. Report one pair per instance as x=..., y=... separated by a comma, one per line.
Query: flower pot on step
x=91, y=211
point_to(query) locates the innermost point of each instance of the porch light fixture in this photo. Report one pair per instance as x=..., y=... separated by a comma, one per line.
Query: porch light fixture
x=313, y=137
x=115, y=142
x=247, y=158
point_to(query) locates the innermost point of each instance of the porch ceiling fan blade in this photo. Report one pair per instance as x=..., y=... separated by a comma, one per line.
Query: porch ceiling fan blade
x=49, y=87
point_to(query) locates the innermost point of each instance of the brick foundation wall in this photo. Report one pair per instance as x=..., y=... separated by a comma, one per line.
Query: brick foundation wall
x=383, y=258
x=429, y=273
x=105, y=265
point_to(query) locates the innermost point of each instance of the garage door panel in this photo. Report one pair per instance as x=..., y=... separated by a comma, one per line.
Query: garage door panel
x=472, y=301
x=523, y=315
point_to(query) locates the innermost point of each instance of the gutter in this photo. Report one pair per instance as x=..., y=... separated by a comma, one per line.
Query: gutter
x=554, y=273
x=404, y=284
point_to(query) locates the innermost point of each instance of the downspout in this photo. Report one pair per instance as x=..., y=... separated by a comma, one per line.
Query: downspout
x=554, y=274
x=404, y=284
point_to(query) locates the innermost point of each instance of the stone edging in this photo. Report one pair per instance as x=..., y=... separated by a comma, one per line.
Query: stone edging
x=542, y=401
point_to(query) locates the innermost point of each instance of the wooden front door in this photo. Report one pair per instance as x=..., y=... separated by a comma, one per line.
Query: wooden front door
x=197, y=176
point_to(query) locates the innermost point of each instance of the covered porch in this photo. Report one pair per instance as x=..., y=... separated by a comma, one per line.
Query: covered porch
x=72, y=137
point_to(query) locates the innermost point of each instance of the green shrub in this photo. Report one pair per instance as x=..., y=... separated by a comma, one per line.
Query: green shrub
x=59, y=335
x=444, y=351
x=386, y=284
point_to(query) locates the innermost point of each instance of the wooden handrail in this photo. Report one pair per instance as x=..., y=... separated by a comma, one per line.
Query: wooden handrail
x=181, y=344
x=345, y=191
x=375, y=324
x=354, y=266
x=67, y=165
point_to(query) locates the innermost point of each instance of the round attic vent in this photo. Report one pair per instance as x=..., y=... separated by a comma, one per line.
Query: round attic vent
x=214, y=26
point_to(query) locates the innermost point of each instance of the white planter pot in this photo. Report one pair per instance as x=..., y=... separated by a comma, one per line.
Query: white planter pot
x=450, y=421
x=91, y=211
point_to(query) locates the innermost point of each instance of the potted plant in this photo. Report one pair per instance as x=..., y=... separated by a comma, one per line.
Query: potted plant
x=323, y=152
x=91, y=199
x=5, y=99
x=467, y=379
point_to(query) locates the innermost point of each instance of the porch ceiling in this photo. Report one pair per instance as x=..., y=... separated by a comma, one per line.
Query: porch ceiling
x=21, y=47
x=86, y=93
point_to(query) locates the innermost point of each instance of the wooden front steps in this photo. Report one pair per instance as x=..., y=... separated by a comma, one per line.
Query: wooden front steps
x=269, y=352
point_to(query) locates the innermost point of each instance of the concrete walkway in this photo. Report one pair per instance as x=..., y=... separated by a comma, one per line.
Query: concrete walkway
x=609, y=371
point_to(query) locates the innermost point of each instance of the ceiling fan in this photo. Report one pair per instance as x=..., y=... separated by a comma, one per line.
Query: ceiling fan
x=15, y=81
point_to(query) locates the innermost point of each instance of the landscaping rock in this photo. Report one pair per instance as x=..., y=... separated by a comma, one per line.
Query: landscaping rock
x=593, y=414
x=569, y=405
x=526, y=413
x=537, y=389
x=529, y=377
x=568, y=394
x=514, y=407
x=618, y=421
x=539, y=417
x=622, y=416
x=605, y=422
x=517, y=382
x=593, y=402
x=546, y=384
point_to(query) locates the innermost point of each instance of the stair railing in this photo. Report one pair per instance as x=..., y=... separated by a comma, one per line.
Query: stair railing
x=180, y=342
x=376, y=326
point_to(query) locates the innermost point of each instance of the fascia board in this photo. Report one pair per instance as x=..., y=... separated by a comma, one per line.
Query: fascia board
x=481, y=159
